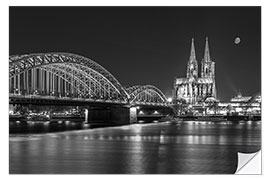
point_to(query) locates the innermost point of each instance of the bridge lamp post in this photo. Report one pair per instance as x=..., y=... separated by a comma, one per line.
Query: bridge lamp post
x=169, y=100
x=35, y=92
x=17, y=91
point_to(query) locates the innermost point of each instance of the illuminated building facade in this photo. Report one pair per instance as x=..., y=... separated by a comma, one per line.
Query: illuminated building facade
x=241, y=105
x=240, y=98
x=194, y=89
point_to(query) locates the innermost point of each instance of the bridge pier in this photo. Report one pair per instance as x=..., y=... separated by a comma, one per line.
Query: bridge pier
x=110, y=116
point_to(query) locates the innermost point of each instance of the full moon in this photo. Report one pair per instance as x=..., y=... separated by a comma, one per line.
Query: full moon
x=237, y=40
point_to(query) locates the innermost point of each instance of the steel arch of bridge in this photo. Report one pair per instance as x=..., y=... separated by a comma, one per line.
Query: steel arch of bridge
x=74, y=76
x=62, y=74
x=146, y=93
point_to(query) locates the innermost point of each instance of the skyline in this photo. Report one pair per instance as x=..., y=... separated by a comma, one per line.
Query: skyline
x=154, y=42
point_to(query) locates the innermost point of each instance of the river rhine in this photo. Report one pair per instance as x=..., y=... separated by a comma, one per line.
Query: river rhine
x=157, y=148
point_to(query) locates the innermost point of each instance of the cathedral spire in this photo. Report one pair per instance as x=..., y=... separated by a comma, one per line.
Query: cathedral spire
x=206, y=51
x=192, y=51
x=192, y=65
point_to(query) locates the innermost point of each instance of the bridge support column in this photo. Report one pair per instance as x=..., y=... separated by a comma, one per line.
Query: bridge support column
x=86, y=116
x=18, y=84
x=133, y=115
x=11, y=108
x=108, y=116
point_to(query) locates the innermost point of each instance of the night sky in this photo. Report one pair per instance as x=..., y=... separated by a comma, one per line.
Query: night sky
x=148, y=45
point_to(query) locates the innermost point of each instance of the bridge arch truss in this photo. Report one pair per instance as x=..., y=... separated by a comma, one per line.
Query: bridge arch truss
x=62, y=75
x=146, y=93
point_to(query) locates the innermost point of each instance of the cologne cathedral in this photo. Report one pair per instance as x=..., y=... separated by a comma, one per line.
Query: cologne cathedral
x=194, y=89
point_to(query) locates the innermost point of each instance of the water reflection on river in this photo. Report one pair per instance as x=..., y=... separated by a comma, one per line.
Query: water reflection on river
x=185, y=147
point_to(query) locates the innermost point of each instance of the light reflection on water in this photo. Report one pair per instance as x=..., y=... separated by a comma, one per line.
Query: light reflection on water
x=185, y=147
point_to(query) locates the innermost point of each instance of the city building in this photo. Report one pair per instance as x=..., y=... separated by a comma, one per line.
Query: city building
x=194, y=89
x=240, y=98
x=241, y=105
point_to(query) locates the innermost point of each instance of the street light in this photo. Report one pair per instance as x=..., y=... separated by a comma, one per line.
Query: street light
x=169, y=99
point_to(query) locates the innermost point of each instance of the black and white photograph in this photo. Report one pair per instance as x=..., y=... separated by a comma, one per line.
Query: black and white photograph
x=134, y=90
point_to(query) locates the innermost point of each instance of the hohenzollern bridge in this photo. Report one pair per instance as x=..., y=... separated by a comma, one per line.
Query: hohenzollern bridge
x=70, y=79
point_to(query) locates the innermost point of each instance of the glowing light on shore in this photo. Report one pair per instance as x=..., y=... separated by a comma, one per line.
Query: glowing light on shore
x=169, y=99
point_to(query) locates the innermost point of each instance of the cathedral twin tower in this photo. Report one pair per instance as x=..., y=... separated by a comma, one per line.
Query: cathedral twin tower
x=194, y=89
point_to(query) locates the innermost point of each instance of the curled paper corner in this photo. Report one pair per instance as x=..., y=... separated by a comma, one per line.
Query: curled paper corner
x=249, y=163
